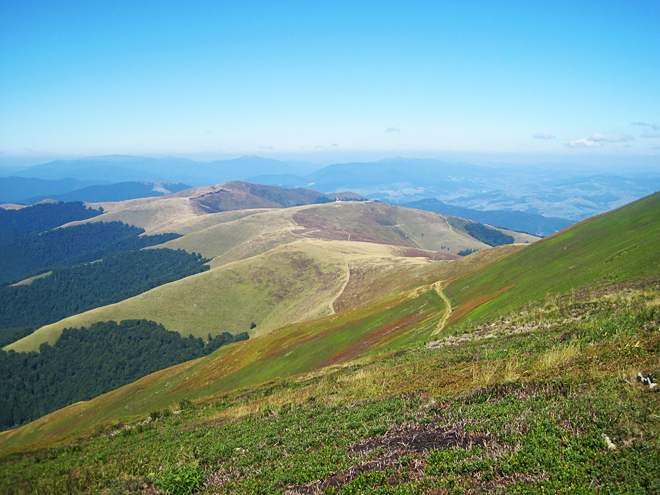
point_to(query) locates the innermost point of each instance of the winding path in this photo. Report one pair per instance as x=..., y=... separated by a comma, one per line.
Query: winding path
x=448, y=309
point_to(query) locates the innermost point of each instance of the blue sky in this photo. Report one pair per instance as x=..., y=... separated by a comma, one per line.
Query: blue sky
x=540, y=81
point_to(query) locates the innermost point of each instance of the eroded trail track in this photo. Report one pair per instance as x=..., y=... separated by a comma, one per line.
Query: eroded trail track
x=437, y=286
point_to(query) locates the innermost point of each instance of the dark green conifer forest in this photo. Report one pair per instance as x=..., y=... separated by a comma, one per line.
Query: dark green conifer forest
x=87, y=362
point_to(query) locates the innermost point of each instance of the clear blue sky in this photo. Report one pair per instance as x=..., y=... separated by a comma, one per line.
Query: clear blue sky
x=553, y=80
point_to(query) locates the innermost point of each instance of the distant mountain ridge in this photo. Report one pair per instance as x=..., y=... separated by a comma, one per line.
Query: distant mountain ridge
x=121, y=191
x=520, y=221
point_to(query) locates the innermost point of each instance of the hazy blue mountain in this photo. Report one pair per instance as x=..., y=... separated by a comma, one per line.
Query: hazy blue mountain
x=289, y=181
x=17, y=189
x=119, y=168
x=520, y=221
x=121, y=191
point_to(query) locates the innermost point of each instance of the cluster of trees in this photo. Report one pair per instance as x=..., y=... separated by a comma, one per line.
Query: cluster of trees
x=37, y=252
x=85, y=363
x=487, y=235
x=466, y=252
x=71, y=290
x=44, y=216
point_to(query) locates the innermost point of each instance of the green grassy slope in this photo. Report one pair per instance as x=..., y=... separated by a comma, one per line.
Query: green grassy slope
x=620, y=246
x=295, y=282
x=397, y=321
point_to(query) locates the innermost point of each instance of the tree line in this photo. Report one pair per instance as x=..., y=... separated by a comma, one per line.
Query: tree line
x=71, y=290
x=35, y=253
x=85, y=363
x=41, y=217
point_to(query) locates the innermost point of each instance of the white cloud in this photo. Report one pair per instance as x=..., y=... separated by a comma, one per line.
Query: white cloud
x=583, y=143
x=265, y=147
x=392, y=129
x=652, y=135
x=543, y=135
x=611, y=138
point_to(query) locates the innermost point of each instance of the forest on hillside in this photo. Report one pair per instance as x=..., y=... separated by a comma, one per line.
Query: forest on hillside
x=85, y=363
x=487, y=235
x=41, y=217
x=71, y=290
x=33, y=253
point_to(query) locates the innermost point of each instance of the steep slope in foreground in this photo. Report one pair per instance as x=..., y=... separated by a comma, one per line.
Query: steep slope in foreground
x=617, y=247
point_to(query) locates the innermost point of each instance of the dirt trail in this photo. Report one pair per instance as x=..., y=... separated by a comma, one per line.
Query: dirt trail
x=341, y=291
x=448, y=310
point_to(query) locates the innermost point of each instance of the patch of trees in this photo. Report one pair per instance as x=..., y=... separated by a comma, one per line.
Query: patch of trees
x=85, y=363
x=71, y=290
x=44, y=216
x=487, y=235
x=37, y=252
x=466, y=252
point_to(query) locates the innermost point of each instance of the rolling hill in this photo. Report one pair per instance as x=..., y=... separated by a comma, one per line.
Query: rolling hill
x=275, y=266
x=515, y=368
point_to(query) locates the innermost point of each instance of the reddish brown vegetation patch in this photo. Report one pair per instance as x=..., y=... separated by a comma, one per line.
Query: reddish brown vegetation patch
x=370, y=339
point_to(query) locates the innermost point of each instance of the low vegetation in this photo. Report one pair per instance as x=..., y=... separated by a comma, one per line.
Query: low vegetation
x=514, y=370
x=545, y=400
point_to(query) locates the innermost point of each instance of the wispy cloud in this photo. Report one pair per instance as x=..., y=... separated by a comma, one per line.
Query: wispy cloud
x=318, y=147
x=392, y=129
x=334, y=144
x=543, y=135
x=583, y=143
x=28, y=149
x=652, y=135
x=265, y=147
x=655, y=127
x=611, y=138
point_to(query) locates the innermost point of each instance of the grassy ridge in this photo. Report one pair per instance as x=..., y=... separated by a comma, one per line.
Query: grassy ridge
x=620, y=246
x=293, y=283
x=537, y=397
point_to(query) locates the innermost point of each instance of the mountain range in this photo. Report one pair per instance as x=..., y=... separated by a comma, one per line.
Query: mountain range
x=566, y=192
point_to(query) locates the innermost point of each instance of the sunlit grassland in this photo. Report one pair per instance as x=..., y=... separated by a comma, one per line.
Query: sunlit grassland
x=620, y=246
x=525, y=404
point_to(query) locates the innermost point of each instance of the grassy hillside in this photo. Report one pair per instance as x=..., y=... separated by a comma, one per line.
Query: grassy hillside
x=620, y=246
x=394, y=322
x=270, y=284
x=296, y=282
x=404, y=394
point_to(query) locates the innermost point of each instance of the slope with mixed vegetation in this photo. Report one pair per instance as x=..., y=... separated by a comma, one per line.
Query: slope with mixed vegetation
x=536, y=377
x=37, y=252
x=71, y=290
